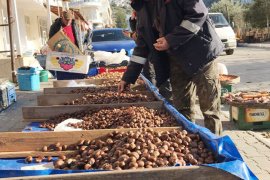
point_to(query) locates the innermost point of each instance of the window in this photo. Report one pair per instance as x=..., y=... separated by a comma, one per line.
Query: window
x=108, y=35
x=27, y=21
x=219, y=20
x=42, y=29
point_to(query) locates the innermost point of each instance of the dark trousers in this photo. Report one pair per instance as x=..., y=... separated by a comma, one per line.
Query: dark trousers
x=158, y=74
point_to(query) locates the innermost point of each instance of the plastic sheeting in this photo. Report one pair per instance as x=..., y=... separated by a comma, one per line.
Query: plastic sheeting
x=34, y=127
x=20, y=173
x=224, y=149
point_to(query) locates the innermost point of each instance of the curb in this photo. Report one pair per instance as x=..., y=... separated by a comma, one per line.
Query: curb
x=254, y=45
x=259, y=138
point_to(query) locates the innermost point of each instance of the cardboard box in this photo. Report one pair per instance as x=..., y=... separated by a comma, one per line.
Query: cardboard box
x=65, y=62
x=61, y=43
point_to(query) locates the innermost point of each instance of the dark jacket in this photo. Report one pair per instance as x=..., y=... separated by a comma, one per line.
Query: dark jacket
x=158, y=69
x=187, y=28
x=56, y=26
x=132, y=24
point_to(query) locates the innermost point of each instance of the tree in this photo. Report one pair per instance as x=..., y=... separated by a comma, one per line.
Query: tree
x=121, y=10
x=258, y=14
x=208, y=3
x=233, y=11
x=120, y=18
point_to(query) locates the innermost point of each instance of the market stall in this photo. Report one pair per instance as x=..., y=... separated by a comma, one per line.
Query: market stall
x=223, y=159
x=249, y=110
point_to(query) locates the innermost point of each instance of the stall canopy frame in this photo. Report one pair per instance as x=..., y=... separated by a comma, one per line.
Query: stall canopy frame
x=9, y=24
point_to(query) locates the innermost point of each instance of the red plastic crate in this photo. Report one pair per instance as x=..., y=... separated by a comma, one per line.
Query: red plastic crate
x=104, y=70
x=117, y=70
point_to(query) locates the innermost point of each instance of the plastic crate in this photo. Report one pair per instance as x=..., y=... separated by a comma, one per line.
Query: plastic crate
x=11, y=93
x=28, y=79
x=104, y=70
x=225, y=88
x=250, y=118
x=7, y=94
x=117, y=70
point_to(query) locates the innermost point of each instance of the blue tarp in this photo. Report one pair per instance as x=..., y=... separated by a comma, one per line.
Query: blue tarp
x=34, y=127
x=224, y=149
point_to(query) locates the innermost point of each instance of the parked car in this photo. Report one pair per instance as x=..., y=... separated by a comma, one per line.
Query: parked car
x=112, y=40
x=224, y=31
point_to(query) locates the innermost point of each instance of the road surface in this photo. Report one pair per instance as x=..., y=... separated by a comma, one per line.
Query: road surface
x=252, y=65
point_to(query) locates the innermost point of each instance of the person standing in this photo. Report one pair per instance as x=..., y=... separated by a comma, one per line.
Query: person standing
x=157, y=68
x=183, y=32
x=70, y=28
x=133, y=24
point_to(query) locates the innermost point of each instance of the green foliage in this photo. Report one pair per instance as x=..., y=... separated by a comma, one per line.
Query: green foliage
x=258, y=13
x=120, y=14
x=208, y=3
x=232, y=10
x=120, y=17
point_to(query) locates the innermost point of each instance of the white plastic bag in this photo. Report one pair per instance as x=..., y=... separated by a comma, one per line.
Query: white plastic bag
x=63, y=126
x=110, y=58
x=222, y=69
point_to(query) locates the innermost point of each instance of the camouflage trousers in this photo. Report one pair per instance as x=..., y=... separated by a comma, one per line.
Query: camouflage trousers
x=205, y=85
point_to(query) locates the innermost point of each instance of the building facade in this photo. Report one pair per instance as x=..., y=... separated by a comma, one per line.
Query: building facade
x=98, y=13
x=30, y=30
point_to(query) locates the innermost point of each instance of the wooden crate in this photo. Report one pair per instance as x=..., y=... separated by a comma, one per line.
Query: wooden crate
x=65, y=83
x=42, y=113
x=61, y=99
x=226, y=84
x=17, y=144
x=68, y=90
x=225, y=89
x=22, y=144
x=229, y=79
x=250, y=116
x=170, y=173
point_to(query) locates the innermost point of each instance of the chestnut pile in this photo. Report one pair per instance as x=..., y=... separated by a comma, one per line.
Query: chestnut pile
x=255, y=97
x=226, y=78
x=115, y=82
x=112, y=118
x=139, y=149
x=110, y=97
x=94, y=90
x=131, y=117
x=110, y=82
x=108, y=75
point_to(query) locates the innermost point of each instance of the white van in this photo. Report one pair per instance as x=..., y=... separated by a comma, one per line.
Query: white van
x=224, y=31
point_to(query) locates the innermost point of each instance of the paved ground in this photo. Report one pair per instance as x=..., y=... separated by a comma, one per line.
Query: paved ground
x=265, y=45
x=11, y=118
x=251, y=64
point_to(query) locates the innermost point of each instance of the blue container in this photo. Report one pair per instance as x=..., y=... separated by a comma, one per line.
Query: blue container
x=28, y=78
x=92, y=72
